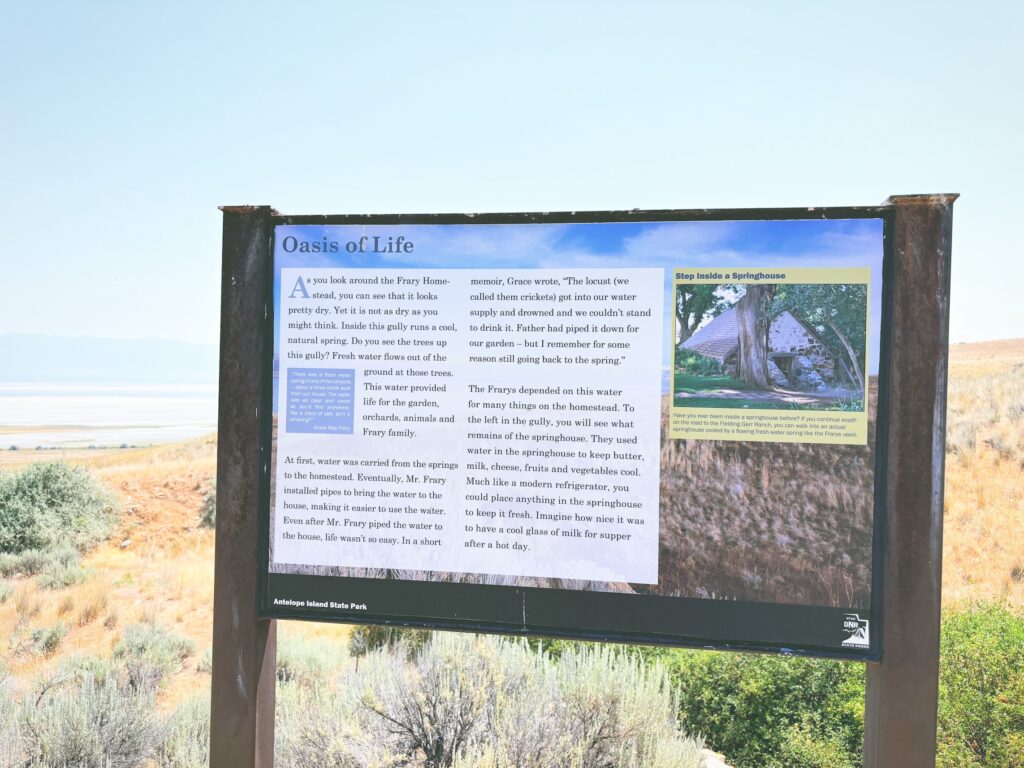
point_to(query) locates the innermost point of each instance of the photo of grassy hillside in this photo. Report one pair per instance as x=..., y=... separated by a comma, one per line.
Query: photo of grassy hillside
x=773, y=522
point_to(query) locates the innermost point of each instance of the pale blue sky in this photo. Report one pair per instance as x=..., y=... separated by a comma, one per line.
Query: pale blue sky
x=123, y=126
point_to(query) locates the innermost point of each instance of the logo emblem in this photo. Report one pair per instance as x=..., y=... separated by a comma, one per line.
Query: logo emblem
x=856, y=630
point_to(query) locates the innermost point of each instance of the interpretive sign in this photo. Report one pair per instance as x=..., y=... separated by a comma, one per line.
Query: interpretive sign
x=708, y=428
x=660, y=428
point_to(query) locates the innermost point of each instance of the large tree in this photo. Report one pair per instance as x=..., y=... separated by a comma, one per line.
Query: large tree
x=753, y=316
x=693, y=304
x=838, y=312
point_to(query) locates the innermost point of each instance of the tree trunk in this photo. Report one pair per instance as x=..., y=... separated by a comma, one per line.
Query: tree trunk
x=849, y=351
x=686, y=321
x=683, y=329
x=753, y=322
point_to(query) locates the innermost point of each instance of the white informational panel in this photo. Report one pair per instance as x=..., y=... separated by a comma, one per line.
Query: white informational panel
x=662, y=429
x=488, y=421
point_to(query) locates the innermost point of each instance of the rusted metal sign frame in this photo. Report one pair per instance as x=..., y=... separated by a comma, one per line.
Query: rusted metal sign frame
x=602, y=616
x=903, y=688
x=243, y=667
x=900, y=711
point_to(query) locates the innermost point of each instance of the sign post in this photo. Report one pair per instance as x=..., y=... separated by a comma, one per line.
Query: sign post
x=903, y=688
x=688, y=428
x=244, y=645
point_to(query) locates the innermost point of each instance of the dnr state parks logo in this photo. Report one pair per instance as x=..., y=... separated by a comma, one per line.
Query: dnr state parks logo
x=856, y=630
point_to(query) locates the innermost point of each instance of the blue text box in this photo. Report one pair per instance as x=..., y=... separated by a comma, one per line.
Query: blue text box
x=320, y=400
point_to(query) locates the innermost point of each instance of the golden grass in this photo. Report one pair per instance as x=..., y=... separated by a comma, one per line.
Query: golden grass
x=983, y=552
x=158, y=566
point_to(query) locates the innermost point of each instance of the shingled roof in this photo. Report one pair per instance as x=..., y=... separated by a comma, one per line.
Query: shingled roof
x=718, y=339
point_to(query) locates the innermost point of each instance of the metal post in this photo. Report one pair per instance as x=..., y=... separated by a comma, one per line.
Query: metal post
x=244, y=646
x=902, y=690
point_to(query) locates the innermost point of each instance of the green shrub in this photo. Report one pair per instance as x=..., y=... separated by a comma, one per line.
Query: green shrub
x=59, y=576
x=307, y=661
x=81, y=668
x=756, y=708
x=10, y=731
x=6, y=590
x=186, y=737
x=773, y=712
x=314, y=729
x=150, y=653
x=89, y=725
x=58, y=565
x=482, y=702
x=48, y=504
x=46, y=640
x=804, y=747
x=31, y=561
x=208, y=518
x=697, y=364
x=366, y=639
x=981, y=689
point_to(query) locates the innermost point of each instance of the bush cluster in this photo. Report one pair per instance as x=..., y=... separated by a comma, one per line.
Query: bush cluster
x=464, y=701
x=96, y=713
x=460, y=702
x=771, y=711
x=149, y=653
x=697, y=364
x=981, y=689
x=366, y=639
x=49, y=512
x=208, y=516
x=774, y=712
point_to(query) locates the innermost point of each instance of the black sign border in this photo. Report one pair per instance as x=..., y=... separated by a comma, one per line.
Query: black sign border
x=571, y=614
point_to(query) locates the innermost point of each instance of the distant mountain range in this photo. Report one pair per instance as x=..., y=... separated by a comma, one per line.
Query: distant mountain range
x=83, y=359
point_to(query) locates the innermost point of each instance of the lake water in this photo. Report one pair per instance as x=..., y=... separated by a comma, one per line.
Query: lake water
x=103, y=415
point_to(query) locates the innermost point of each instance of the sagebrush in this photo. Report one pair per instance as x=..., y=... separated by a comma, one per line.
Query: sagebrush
x=50, y=504
x=466, y=701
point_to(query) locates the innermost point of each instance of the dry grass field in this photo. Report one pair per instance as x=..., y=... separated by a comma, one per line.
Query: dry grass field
x=744, y=521
x=158, y=566
x=983, y=552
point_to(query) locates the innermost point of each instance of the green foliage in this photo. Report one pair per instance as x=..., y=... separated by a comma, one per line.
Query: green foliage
x=802, y=747
x=693, y=303
x=483, y=702
x=50, y=504
x=696, y=364
x=27, y=563
x=186, y=738
x=6, y=590
x=756, y=708
x=59, y=575
x=46, y=640
x=306, y=661
x=88, y=724
x=82, y=668
x=688, y=383
x=773, y=712
x=10, y=728
x=366, y=639
x=209, y=514
x=855, y=404
x=981, y=691
x=831, y=310
x=97, y=714
x=150, y=652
